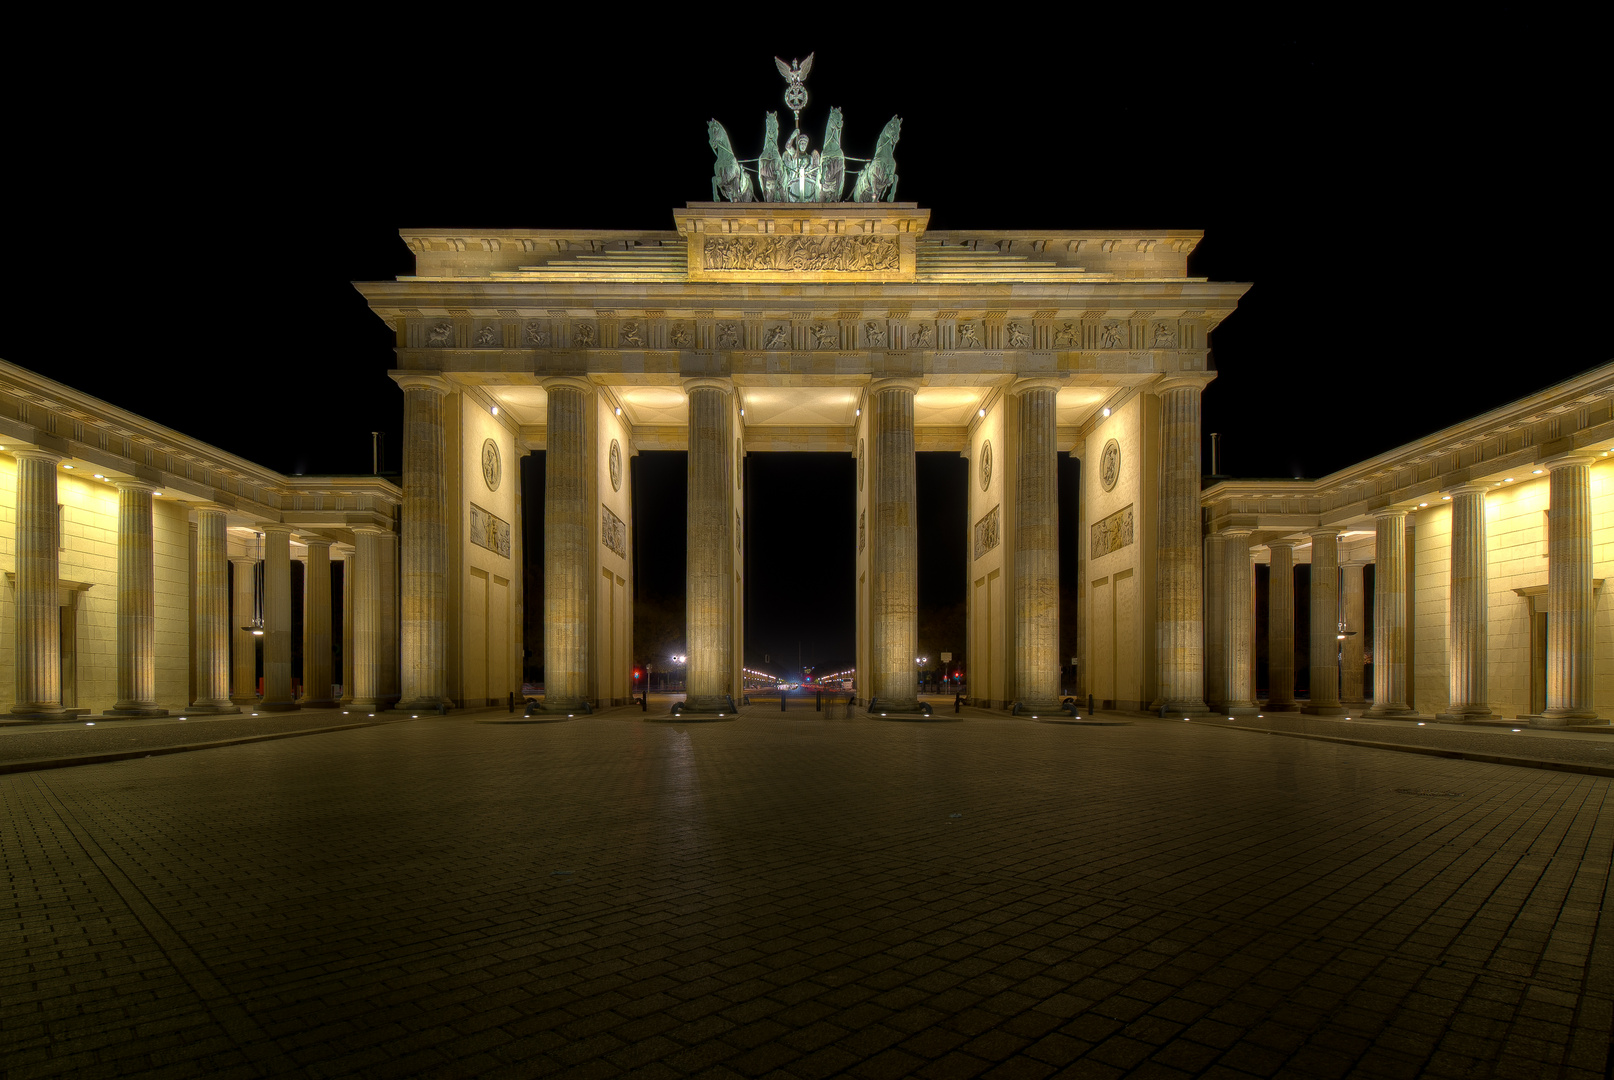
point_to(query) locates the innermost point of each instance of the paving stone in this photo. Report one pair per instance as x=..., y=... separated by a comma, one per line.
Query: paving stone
x=608, y=897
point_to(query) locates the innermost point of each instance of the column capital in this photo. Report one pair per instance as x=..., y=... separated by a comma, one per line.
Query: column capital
x=1287, y=542
x=1343, y=563
x=371, y=530
x=1237, y=532
x=33, y=453
x=1183, y=380
x=315, y=541
x=420, y=380
x=272, y=527
x=878, y=385
x=1478, y=487
x=1324, y=532
x=1574, y=457
x=709, y=382
x=248, y=560
x=136, y=485
x=210, y=507
x=1041, y=382
x=1391, y=512
x=566, y=382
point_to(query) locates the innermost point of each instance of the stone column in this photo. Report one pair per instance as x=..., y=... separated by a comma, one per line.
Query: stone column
x=244, y=655
x=1281, y=628
x=277, y=619
x=365, y=565
x=317, y=625
x=710, y=588
x=349, y=563
x=1036, y=547
x=1469, y=604
x=1239, y=603
x=1324, y=624
x=1351, y=663
x=1390, y=613
x=893, y=549
x=212, y=645
x=568, y=551
x=1216, y=625
x=137, y=604
x=423, y=645
x=1571, y=616
x=38, y=589
x=391, y=677
x=1179, y=554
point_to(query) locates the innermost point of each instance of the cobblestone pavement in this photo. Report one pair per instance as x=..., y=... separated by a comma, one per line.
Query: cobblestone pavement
x=793, y=896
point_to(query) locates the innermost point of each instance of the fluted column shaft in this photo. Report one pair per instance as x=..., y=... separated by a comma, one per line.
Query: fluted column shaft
x=567, y=562
x=1571, y=617
x=349, y=564
x=1036, y=548
x=1239, y=605
x=1469, y=599
x=276, y=619
x=317, y=681
x=1216, y=627
x=1324, y=624
x=244, y=657
x=1281, y=628
x=212, y=646
x=1179, y=555
x=365, y=568
x=391, y=675
x=893, y=548
x=1352, y=662
x=38, y=588
x=711, y=547
x=423, y=642
x=1390, y=613
x=137, y=605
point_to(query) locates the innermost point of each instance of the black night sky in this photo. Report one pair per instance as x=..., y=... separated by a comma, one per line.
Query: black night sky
x=1420, y=213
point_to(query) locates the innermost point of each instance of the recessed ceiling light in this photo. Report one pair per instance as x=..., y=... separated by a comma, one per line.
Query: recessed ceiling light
x=1445, y=498
x=983, y=412
x=1106, y=410
x=1536, y=473
x=495, y=410
x=1507, y=480
x=67, y=466
x=619, y=410
x=1423, y=504
x=98, y=476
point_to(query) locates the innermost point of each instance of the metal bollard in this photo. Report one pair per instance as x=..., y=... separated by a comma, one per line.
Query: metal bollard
x=782, y=696
x=512, y=701
x=644, y=701
x=818, y=706
x=958, y=702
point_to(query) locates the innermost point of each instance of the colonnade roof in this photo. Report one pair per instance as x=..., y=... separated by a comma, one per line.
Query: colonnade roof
x=102, y=443
x=1506, y=445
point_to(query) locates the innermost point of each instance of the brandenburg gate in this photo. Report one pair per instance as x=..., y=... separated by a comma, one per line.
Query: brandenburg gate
x=842, y=328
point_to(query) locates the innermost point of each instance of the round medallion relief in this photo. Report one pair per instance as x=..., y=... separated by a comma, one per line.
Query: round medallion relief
x=1109, y=465
x=616, y=466
x=986, y=464
x=492, y=467
x=860, y=464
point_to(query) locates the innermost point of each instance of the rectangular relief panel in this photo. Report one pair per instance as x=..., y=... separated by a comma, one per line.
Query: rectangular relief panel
x=1113, y=533
x=490, y=531
x=986, y=532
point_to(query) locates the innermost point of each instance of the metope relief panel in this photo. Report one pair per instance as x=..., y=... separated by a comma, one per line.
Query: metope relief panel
x=986, y=532
x=613, y=532
x=1113, y=533
x=792, y=254
x=490, y=531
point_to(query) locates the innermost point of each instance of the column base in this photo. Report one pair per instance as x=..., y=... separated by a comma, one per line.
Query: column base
x=1181, y=708
x=1324, y=709
x=1281, y=706
x=1474, y=714
x=1550, y=719
x=1355, y=708
x=420, y=705
x=328, y=703
x=42, y=712
x=1390, y=710
x=210, y=710
x=709, y=703
x=279, y=706
x=133, y=710
x=1242, y=708
x=245, y=699
x=364, y=705
x=887, y=709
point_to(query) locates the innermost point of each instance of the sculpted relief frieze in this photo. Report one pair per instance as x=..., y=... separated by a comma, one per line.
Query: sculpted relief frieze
x=791, y=254
x=490, y=531
x=986, y=532
x=1113, y=533
x=613, y=532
